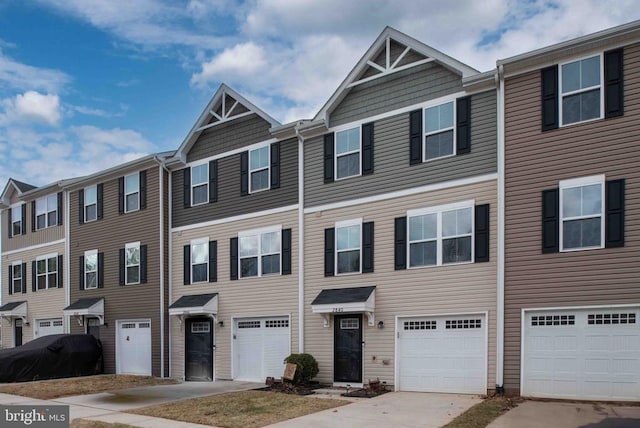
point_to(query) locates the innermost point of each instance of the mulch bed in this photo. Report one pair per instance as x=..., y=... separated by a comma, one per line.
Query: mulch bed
x=290, y=388
x=364, y=393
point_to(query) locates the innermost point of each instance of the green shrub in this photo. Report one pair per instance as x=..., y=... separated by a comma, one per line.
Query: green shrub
x=307, y=367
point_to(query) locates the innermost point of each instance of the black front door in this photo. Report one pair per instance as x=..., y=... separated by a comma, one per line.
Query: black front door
x=17, y=332
x=93, y=327
x=199, y=349
x=347, y=348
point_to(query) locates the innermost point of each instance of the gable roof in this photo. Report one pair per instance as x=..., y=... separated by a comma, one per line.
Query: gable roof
x=381, y=60
x=225, y=105
x=16, y=185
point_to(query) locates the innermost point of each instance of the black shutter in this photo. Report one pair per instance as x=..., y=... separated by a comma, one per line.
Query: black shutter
x=415, y=137
x=329, y=252
x=550, y=221
x=400, y=243
x=120, y=195
x=481, y=230
x=59, y=215
x=367, y=247
x=286, y=251
x=122, y=266
x=367, y=148
x=463, y=125
x=24, y=219
x=81, y=272
x=99, y=191
x=100, y=270
x=613, y=83
x=233, y=258
x=143, y=189
x=33, y=216
x=60, y=272
x=186, y=195
x=24, y=278
x=10, y=287
x=186, y=264
x=275, y=165
x=213, y=181
x=213, y=261
x=549, y=94
x=34, y=277
x=143, y=264
x=614, y=220
x=9, y=223
x=244, y=173
x=328, y=158
x=81, y=206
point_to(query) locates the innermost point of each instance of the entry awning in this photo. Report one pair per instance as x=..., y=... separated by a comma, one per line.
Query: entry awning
x=89, y=307
x=345, y=300
x=197, y=304
x=14, y=310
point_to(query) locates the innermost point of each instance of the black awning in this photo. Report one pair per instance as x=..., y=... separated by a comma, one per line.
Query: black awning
x=7, y=307
x=196, y=300
x=343, y=295
x=83, y=304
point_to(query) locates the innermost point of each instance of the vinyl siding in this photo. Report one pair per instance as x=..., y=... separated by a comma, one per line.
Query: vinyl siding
x=391, y=159
x=38, y=237
x=265, y=296
x=536, y=161
x=424, y=291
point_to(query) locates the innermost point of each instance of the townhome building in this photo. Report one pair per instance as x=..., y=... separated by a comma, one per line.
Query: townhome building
x=571, y=187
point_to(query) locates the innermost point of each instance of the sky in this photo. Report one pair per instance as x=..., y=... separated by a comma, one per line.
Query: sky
x=88, y=84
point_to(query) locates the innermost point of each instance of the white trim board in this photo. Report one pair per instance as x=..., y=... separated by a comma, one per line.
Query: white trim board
x=235, y=218
x=34, y=247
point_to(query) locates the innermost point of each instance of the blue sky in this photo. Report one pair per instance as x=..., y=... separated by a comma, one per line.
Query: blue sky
x=88, y=84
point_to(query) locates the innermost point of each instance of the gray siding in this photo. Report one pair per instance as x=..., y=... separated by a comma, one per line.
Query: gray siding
x=401, y=89
x=230, y=136
x=230, y=202
x=31, y=238
x=391, y=159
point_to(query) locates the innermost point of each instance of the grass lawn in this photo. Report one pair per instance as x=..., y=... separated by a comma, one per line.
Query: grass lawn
x=248, y=409
x=481, y=415
x=85, y=423
x=49, y=389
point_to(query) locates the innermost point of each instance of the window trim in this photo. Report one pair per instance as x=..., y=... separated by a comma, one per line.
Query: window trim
x=86, y=220
x=46, y=257
x=126, y=205
x=438, y=210
x=126, y=263
x=561, y=123
x=343, y=224
x=193, y=186
x=581, y=182
x=259, y=254
x=86, y=254
x=21, y=206
x=13, y=276
x=425, y=134
x=268, y=168
x=47, y=211
x=193, y=242
x=335, y=150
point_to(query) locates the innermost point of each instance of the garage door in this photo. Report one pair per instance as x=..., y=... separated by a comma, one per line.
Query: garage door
x=48, y=326
x=443, y=354
x=260, y=347
x=133, y=348
x=582, y=354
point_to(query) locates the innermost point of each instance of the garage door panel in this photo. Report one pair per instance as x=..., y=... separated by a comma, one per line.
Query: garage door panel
x=260, y=347
x=134, y=347
x=47, y=327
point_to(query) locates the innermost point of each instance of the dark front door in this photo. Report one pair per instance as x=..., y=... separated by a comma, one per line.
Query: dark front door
x=347, y=348
x=17, y=332
x=93, y=327
x=199, y=349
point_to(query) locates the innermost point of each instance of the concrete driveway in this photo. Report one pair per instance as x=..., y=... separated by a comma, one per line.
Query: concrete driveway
x=541, y=414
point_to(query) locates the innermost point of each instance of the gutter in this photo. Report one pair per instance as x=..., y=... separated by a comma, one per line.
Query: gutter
x=300, y=240
x=161, y=168
x=501, y=232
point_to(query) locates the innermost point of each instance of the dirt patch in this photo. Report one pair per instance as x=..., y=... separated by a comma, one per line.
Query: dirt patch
x=247, y=409
x=481, y=415
x=49, y=389
x=85, y=423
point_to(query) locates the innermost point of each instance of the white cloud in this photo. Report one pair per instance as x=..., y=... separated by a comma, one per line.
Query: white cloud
x=31, y=107
x=16, y=75
x=233, y=64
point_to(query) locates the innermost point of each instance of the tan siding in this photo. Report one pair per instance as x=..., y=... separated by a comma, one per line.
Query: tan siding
x=428, y=291
x=536, y=161
x=38, y=237
x=273, y=295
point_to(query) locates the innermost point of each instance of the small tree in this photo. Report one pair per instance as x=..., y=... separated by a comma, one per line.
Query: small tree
x=306, y=367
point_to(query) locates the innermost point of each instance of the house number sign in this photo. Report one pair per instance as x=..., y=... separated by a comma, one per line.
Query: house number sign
x=338, y=310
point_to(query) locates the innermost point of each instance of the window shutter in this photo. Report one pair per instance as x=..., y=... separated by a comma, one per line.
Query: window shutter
x=613, y=83
x=120, y=195
x=81, y=272
x=186, y=264
x=213, y=181
x=367, y=148
x=186, y=196
x=481, y=231
x=213, y=261
x=463, y=125
x=60, y=272
x=122, y=266
x=99, y=191
x=59, y=215
x=328, y=157
x=275, y=165
x=143, y=189
x=367, y=247
x=143, y=264
x=549, y=77
x=550, y=221
x=614, y=220
x=10, y=287
x=24, y=219
x=100, y=270
x=329, y=251
x=33, y=216
x=244, y=173
x=415, y=137
x=400, y=243
x=286, y=252
x=81, y=206
x=9, y=225
x=233, y=257
x=34, y=277
x=24, y=278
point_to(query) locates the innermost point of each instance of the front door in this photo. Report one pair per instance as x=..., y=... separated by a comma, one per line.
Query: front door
x=17, y=332
x=93, y=327
x=199, y=349
x=347, y=349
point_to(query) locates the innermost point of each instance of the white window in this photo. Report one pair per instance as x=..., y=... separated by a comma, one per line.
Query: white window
x=441, y=235
x=581, y=89
x=16, y=220
x=200, y=260
x=259, y=252
x=132, y=263
x=132, y=192
x=439, y=131
x=259, y=169
x=47, y=212
x=348, y=246
x=581, y=212
x=200, y=184
x=16, y=276
x=47, y=271
x=91, y=269
x=347, y=153
x=90, y=203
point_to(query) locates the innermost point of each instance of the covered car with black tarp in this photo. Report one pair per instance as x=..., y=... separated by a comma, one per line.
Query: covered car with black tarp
x=52, y=357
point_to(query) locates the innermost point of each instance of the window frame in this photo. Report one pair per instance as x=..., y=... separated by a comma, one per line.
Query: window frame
x=134, y=245
x=341, y=225
x=19, y=209
x=425, y=134
x=17, y=263
x=439, y=210
x=336, y=131
x=86, y=272
x=126, y=199
x=561, y=95
x=259, y=254
x=47, y=211
x=267, y=168
x=86, y=217
x=576, y=183
x=192, y=243
x=205, y=183
x=47, y=273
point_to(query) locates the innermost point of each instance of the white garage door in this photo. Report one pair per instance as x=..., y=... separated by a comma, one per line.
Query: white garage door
x=443, y=354
x=583, y=354
x=48, y=326
x=260, y=346
x=133, y=348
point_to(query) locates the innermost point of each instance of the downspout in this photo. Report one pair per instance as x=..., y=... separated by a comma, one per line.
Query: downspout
x=161, y=169
x=300, y=239
x=501, y=232
x=67, y=258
